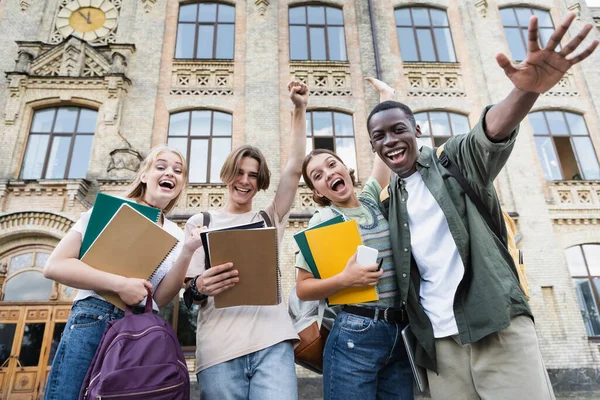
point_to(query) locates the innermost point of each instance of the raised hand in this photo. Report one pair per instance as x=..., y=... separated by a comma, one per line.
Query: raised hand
x=298, y=93
x=385, y=91
x=543, y=68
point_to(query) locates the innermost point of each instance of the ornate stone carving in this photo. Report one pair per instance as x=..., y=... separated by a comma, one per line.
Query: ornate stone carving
x=575, y=202
x=24, y=4
x=323, y=78
x=124, y=163
x=434, y=79
x=564, y=88
x=58, y=35
x=261, y=6
x=212, y=78
x=148, y=5
x=19, y=221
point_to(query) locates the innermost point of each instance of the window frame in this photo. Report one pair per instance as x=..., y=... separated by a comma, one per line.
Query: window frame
x=569, y=135
x=431, y=136
x=197, y=25
x=524, y=38
x=430, y=27
x=590, y=279
x=325, y=27
x=52, y=135
x=33, y=249
x=209, y=138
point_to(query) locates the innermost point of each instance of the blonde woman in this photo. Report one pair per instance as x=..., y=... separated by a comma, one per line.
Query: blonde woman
x=158, y=183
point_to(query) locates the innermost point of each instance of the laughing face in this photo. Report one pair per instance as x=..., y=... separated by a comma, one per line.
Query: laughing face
x=245, y=185
x=164, y=179
x=330, y=179
x=394, y=139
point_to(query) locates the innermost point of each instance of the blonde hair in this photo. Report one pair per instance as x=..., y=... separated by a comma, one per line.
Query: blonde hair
x=231, y=166
x=137, y=189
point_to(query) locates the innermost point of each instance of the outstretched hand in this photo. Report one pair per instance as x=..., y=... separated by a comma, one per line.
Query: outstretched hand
x=385, y=91
x=298, y=93
x=543, y=68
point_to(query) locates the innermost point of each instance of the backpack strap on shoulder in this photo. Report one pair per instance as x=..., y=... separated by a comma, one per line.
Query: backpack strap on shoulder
x=266, y=218
x=206, y=218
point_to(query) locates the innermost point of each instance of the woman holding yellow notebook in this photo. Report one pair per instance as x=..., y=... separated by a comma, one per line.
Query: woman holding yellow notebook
x=364, y=355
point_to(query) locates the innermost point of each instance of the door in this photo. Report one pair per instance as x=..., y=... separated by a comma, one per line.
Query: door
x=29, y=336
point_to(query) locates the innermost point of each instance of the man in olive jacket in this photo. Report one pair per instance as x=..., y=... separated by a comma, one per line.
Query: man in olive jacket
x=457, y=280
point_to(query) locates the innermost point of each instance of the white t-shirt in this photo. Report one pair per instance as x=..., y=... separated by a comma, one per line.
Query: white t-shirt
x=171, y=228
x=227, y=333
x=436, y=255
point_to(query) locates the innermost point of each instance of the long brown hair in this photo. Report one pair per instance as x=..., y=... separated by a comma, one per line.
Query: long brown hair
x=321, y=200
x=137, y=189
x=231, y=166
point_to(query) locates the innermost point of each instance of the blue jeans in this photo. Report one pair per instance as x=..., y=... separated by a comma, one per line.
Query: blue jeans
x=365, y=359
x=267, y=374
x=80, y=339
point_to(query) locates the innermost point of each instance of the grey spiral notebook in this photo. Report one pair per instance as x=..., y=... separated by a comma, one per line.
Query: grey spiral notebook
x=420, y=373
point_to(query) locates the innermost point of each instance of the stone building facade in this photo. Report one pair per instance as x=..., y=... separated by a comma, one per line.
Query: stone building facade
x=90, y=86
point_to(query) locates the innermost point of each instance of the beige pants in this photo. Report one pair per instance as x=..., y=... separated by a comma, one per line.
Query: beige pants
x=505, y=365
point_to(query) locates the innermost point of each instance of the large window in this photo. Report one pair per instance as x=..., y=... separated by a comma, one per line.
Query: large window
x=439, y=126
x=564, y=146
x=204, y=136
x=205, y=30
x=25, y=280
x=584, y=265
x=516, y=22
x=317, y=33
x=424, y=35
x=59, y=144
x=333, y=131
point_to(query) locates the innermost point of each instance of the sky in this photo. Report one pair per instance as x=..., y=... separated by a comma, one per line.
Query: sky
x=593, y=3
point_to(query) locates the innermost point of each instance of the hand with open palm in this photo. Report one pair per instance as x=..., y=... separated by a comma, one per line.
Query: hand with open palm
x=543, y=68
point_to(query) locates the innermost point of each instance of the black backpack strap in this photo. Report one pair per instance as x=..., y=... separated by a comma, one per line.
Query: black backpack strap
x=455, y=172
x=206, y=218
x=266, y=218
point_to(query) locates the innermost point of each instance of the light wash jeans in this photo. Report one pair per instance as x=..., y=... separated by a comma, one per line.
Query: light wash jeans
x=78, y=344
x=267, y=374
x=365, y=359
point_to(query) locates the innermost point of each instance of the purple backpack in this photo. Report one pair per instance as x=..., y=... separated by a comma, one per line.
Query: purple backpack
x=139, y=357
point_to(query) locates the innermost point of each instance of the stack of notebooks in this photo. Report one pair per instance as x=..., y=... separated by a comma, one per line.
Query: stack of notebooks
x=327, y=247
x=253, y=250
x=122, y=238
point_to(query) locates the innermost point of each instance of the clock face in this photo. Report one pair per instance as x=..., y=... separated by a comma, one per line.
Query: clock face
x=87, y=19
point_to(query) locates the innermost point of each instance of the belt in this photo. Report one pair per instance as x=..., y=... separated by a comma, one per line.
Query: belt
x=390, y=315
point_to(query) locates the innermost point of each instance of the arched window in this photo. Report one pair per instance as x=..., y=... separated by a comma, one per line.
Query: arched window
x=25, y=280
x=424, y=35
x=516, y=22
x=59, y=143
x=205, y=31
x=317, y=33
x=564, y=146
x=334, y=131
x=584, y=265
x=204, y=137
x=439, y=126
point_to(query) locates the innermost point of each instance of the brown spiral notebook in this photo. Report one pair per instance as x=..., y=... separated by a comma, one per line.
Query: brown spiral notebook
x=254, y=255
x=129, y=245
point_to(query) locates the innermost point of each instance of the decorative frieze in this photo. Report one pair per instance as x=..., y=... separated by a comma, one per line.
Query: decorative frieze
x=20, y=221
x=73, y=190
x=564, y=88
x=202, y=78
x=575, y=202
x=323, y=78
x=434, y=79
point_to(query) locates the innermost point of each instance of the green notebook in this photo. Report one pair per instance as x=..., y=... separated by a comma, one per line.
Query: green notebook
x=300, y=238
x=105, y=207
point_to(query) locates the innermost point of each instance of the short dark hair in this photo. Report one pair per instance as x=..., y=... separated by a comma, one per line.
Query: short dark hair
x=388, y=105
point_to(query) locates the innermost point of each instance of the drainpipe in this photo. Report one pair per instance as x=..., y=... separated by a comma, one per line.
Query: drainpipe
x=374, y=34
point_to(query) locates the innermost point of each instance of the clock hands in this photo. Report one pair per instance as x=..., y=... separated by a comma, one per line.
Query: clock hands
x=87, y=19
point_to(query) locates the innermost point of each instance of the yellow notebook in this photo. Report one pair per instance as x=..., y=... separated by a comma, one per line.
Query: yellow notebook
x=331, y=247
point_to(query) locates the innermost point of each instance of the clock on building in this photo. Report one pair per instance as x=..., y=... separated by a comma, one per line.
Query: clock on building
x=87, y=19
